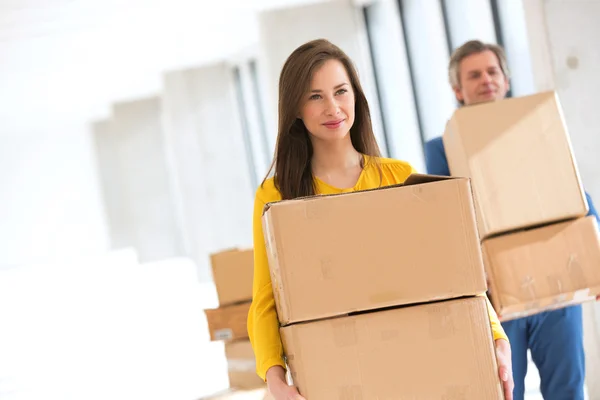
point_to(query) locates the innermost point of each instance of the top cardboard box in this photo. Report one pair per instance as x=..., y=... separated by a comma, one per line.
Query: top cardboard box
x=518, y=154
x=406, y=244
x=233, y=272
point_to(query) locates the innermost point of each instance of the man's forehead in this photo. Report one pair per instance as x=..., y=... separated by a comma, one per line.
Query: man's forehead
x=479, y=61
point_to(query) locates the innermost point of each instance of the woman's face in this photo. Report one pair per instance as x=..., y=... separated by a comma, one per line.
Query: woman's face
x=328, y=109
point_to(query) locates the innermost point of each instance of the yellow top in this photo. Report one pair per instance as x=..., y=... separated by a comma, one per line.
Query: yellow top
x=263, y=325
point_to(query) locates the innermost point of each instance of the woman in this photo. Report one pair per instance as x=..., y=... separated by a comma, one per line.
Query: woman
x=325, y=145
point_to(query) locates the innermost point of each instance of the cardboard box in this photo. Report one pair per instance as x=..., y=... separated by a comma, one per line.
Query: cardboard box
x=233, y=272
x=518, y=154
x=412, y=243
x=544, y=268
x=439, y=350
x=241, y=365
x=229, y=322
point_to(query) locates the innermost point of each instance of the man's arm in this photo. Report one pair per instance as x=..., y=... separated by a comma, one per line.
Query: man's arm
x=592, y=211
x=435, y=158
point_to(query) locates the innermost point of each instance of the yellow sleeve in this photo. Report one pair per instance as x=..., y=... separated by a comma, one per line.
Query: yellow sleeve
x=497, y=329
x=263, y=324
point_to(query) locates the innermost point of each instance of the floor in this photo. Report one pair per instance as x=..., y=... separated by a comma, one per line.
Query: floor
x=111, y=328
x=532, y=383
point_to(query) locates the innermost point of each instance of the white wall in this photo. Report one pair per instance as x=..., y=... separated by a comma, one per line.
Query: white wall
x=50, y=203
x=203, y=134
x=66, y=61
x=565, y=57
x=64, y=64
x=572, y=32
x=70, y=60
x=136, y=181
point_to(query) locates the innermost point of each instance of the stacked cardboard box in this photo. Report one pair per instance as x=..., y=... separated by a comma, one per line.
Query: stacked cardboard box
x=232, y=273
x=376, y=292
x=540, y=250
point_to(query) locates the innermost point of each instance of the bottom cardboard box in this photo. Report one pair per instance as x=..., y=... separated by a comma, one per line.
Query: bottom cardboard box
x=228, y=322
x=241, y=365
x=544, y=268
x=441, y=350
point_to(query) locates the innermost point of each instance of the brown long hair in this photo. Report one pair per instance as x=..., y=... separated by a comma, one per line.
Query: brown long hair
x=293, y=151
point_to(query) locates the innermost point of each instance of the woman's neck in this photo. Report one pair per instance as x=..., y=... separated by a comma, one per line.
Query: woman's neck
x=334, y=156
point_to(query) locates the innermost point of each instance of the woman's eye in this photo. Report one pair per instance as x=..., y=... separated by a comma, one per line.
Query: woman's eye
x=341, y=91
x=315, y=97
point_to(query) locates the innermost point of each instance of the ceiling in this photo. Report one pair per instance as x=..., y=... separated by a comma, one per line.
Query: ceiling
x=68, y=61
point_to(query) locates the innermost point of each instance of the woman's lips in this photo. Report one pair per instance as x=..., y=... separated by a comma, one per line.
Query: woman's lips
x=333, y=124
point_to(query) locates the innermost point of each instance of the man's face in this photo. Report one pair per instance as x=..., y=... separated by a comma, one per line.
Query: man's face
x=481, y=79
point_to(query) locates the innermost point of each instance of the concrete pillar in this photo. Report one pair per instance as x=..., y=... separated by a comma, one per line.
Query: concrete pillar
x=562, y=37
x=251, y=108
x=207, y=148
x=396, y=89
x=514, y=34
x=341, y=22
x=137, y=191
x=468, y=20
x=112, y=182
x=428, y=47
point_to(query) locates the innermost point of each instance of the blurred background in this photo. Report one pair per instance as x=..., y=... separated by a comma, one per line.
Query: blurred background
x=133, y=135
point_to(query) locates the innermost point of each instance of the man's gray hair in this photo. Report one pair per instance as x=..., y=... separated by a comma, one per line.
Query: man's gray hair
x=469, y=48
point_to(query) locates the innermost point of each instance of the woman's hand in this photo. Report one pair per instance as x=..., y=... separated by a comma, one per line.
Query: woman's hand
x=504, y=357
x=278, y=386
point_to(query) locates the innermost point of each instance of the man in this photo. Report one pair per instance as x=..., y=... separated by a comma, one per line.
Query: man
x=478, y=73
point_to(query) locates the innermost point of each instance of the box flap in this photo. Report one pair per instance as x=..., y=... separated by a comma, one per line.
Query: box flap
x=413, y=179
x=417, y=179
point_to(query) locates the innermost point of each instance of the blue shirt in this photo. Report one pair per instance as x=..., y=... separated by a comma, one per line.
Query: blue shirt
x=437, y=164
